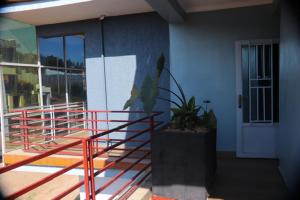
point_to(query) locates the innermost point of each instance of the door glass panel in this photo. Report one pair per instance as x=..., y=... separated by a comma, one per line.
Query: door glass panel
x=268, y=61
x=260, y=62
x=252, y=61
x=261, y=89
x=268, y=99
x=253, y=103
x=245, y=73
x=261, y=83
x=261, y=104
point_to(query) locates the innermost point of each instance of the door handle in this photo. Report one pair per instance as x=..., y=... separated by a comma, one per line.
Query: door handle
x=240, y=101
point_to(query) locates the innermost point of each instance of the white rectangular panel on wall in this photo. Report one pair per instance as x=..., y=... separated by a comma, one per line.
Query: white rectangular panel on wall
x=120, y=77
x=96, y=87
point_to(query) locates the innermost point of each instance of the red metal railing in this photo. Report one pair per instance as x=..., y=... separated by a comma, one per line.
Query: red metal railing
x=89, y=146
x=11, y=138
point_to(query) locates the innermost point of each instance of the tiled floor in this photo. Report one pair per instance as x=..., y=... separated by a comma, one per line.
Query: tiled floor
x=247, y=179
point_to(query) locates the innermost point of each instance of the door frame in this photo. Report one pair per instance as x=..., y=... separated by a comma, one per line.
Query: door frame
x=239, y=90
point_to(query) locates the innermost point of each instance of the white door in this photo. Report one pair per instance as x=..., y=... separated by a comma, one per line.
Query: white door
x=257, y=84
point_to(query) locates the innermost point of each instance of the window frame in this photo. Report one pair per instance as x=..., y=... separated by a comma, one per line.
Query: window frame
x=65, y=68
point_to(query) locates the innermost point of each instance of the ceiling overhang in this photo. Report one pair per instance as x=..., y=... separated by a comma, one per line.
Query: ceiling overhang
x=58, y=11
x=210, y=5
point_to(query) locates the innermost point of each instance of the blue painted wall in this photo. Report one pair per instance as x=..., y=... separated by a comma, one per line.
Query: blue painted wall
x=132, y=45
x=289, y=137
x=202, y=57
x=139, y=40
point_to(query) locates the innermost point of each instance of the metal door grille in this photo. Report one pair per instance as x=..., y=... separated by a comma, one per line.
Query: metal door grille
x=258, y=82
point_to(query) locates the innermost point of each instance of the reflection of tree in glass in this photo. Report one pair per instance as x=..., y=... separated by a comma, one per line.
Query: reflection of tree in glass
x=59, y=62
x=72, y=64
x=52, y=61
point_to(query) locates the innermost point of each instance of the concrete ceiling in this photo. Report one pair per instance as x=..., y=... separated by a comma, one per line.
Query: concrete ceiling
x=58, y=11
x=206, y=5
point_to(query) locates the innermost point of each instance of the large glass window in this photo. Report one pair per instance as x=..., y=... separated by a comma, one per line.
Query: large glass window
x=52, y=52
x=54, y=86
x=76, y=84
x=21, y=87
x=17, y=42
x=63, y=72
x=75, y=51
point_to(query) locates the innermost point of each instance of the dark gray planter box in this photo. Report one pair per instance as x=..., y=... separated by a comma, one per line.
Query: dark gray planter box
x=183, y=163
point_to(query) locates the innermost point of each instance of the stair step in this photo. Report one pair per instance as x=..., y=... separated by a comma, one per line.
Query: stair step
x=155, y=197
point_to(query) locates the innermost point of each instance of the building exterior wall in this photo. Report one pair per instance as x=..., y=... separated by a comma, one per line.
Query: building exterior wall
x=202, y=58
x=289, y=137
x=94, y=65
x=132, y=45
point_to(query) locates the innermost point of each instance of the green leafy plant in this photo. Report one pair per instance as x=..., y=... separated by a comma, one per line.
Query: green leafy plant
x=185, y=113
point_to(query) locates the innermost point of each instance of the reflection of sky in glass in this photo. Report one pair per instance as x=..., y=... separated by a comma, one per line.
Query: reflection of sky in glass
x=24, y=34
x=75, y=48
x=70, y=68
x=20, y=38
x=51, y=46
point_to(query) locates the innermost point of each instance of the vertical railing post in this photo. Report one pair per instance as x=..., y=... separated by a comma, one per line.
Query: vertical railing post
x=96, y=132
x=92, y=121
x=22, y=129
x=68, y=118
x=91, y=168
x=86, y=168
x=52, y=116
x=43, y=121
x=84, y=116
x=25, y=130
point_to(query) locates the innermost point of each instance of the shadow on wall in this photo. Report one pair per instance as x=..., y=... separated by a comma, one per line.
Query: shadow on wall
x=132, y=45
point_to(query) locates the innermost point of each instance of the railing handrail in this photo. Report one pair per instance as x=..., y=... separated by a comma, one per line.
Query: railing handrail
x=125, y=125
x=37, y=157
x=87, y=145
x=87, y=111
x=71, y=120
x=18, y=110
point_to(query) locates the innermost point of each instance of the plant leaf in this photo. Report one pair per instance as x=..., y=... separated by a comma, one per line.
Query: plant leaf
x=175, y=110
x=149, y=93
x=181, y=92
x=160, y=64
x=133, y=97
x=197, y=109
x=191, y=103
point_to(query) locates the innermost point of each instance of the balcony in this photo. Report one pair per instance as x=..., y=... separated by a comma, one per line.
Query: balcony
x=63, y=141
